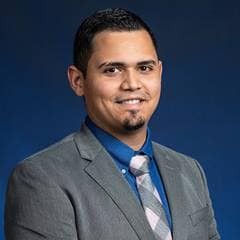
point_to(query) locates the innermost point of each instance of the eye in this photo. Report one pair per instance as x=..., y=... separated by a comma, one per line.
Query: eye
x=145, y=68
x=111, y=70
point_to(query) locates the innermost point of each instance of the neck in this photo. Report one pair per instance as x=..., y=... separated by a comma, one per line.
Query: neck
x=134, y=140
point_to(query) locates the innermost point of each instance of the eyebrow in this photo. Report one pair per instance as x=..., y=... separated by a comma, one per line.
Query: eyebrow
x=122, y=64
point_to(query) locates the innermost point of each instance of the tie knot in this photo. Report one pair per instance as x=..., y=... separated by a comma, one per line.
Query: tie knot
x=139, y=165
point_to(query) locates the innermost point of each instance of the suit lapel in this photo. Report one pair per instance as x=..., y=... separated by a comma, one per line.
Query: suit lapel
x=103, y=170
x=170, y=171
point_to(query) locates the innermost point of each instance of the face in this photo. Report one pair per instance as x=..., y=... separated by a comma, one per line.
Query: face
x=123, y=81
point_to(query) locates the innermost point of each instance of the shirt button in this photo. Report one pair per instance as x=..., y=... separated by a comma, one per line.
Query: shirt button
x=124, y=171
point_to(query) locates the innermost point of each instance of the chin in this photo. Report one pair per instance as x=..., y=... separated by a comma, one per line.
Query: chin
x=133, y=124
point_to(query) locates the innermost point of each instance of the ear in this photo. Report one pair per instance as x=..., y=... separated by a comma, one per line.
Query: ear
x=160, y=69
x=76, y=80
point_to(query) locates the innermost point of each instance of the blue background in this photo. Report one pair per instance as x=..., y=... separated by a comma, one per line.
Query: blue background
x=199, y=110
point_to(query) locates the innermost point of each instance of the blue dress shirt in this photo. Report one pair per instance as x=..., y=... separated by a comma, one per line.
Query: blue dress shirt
x=122, y=154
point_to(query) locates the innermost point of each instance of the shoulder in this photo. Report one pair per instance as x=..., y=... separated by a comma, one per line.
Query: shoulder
x=59, y=159
x=57, y=150
x=184, y=164
x=173, y=154
x=64, y=160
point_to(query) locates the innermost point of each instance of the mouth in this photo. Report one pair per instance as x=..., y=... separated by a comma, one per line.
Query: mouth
x=130, y=101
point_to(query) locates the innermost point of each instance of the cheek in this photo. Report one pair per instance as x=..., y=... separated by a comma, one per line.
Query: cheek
x=95, y=90
x=101, y=97
x=155, y=88
x=103, y=87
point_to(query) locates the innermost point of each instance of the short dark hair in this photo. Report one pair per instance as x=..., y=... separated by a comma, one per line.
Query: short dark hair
x=116, y=19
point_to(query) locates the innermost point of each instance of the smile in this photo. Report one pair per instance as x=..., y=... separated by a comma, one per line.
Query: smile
x=130, y=101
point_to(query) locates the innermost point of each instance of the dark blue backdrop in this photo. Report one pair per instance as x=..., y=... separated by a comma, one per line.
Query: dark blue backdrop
x=198, y=115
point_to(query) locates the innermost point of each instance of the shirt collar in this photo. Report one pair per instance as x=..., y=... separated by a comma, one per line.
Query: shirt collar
x=117, y=149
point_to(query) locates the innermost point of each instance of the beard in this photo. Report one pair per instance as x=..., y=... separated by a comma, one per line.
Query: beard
x=133, y=122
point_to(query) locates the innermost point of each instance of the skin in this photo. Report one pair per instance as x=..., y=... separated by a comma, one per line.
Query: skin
x=122, y=85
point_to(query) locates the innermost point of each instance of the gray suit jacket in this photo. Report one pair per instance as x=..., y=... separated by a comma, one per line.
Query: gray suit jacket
x=73, y=190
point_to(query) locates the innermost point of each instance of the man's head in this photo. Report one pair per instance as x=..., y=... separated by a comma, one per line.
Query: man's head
x=117, y=20
x=120, y=76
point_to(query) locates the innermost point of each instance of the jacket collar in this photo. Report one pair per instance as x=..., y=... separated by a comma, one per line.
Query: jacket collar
x=170, y=169
x=101, y=168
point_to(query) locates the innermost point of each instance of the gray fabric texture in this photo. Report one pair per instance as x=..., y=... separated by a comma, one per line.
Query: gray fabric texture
x=73, y=190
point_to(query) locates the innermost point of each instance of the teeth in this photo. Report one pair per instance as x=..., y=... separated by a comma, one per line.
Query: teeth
x=131, y=101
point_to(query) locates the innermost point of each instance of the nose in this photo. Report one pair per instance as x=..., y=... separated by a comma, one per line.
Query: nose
x=131, y=81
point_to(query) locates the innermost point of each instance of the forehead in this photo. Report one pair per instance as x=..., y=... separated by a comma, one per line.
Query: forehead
x=124, y=44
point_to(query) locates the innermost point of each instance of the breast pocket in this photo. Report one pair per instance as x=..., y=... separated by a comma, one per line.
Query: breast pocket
x=199, y=220
x=199, y=216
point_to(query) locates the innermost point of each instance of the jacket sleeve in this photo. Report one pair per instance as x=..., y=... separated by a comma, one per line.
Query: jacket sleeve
x=212, y=229
x=37, y=208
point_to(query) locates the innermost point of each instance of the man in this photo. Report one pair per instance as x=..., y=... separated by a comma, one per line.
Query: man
x=109, y=180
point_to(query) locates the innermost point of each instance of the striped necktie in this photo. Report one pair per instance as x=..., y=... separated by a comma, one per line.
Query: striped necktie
x=150, y=198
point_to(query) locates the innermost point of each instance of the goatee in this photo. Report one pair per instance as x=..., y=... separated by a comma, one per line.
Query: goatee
x=133, y=122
